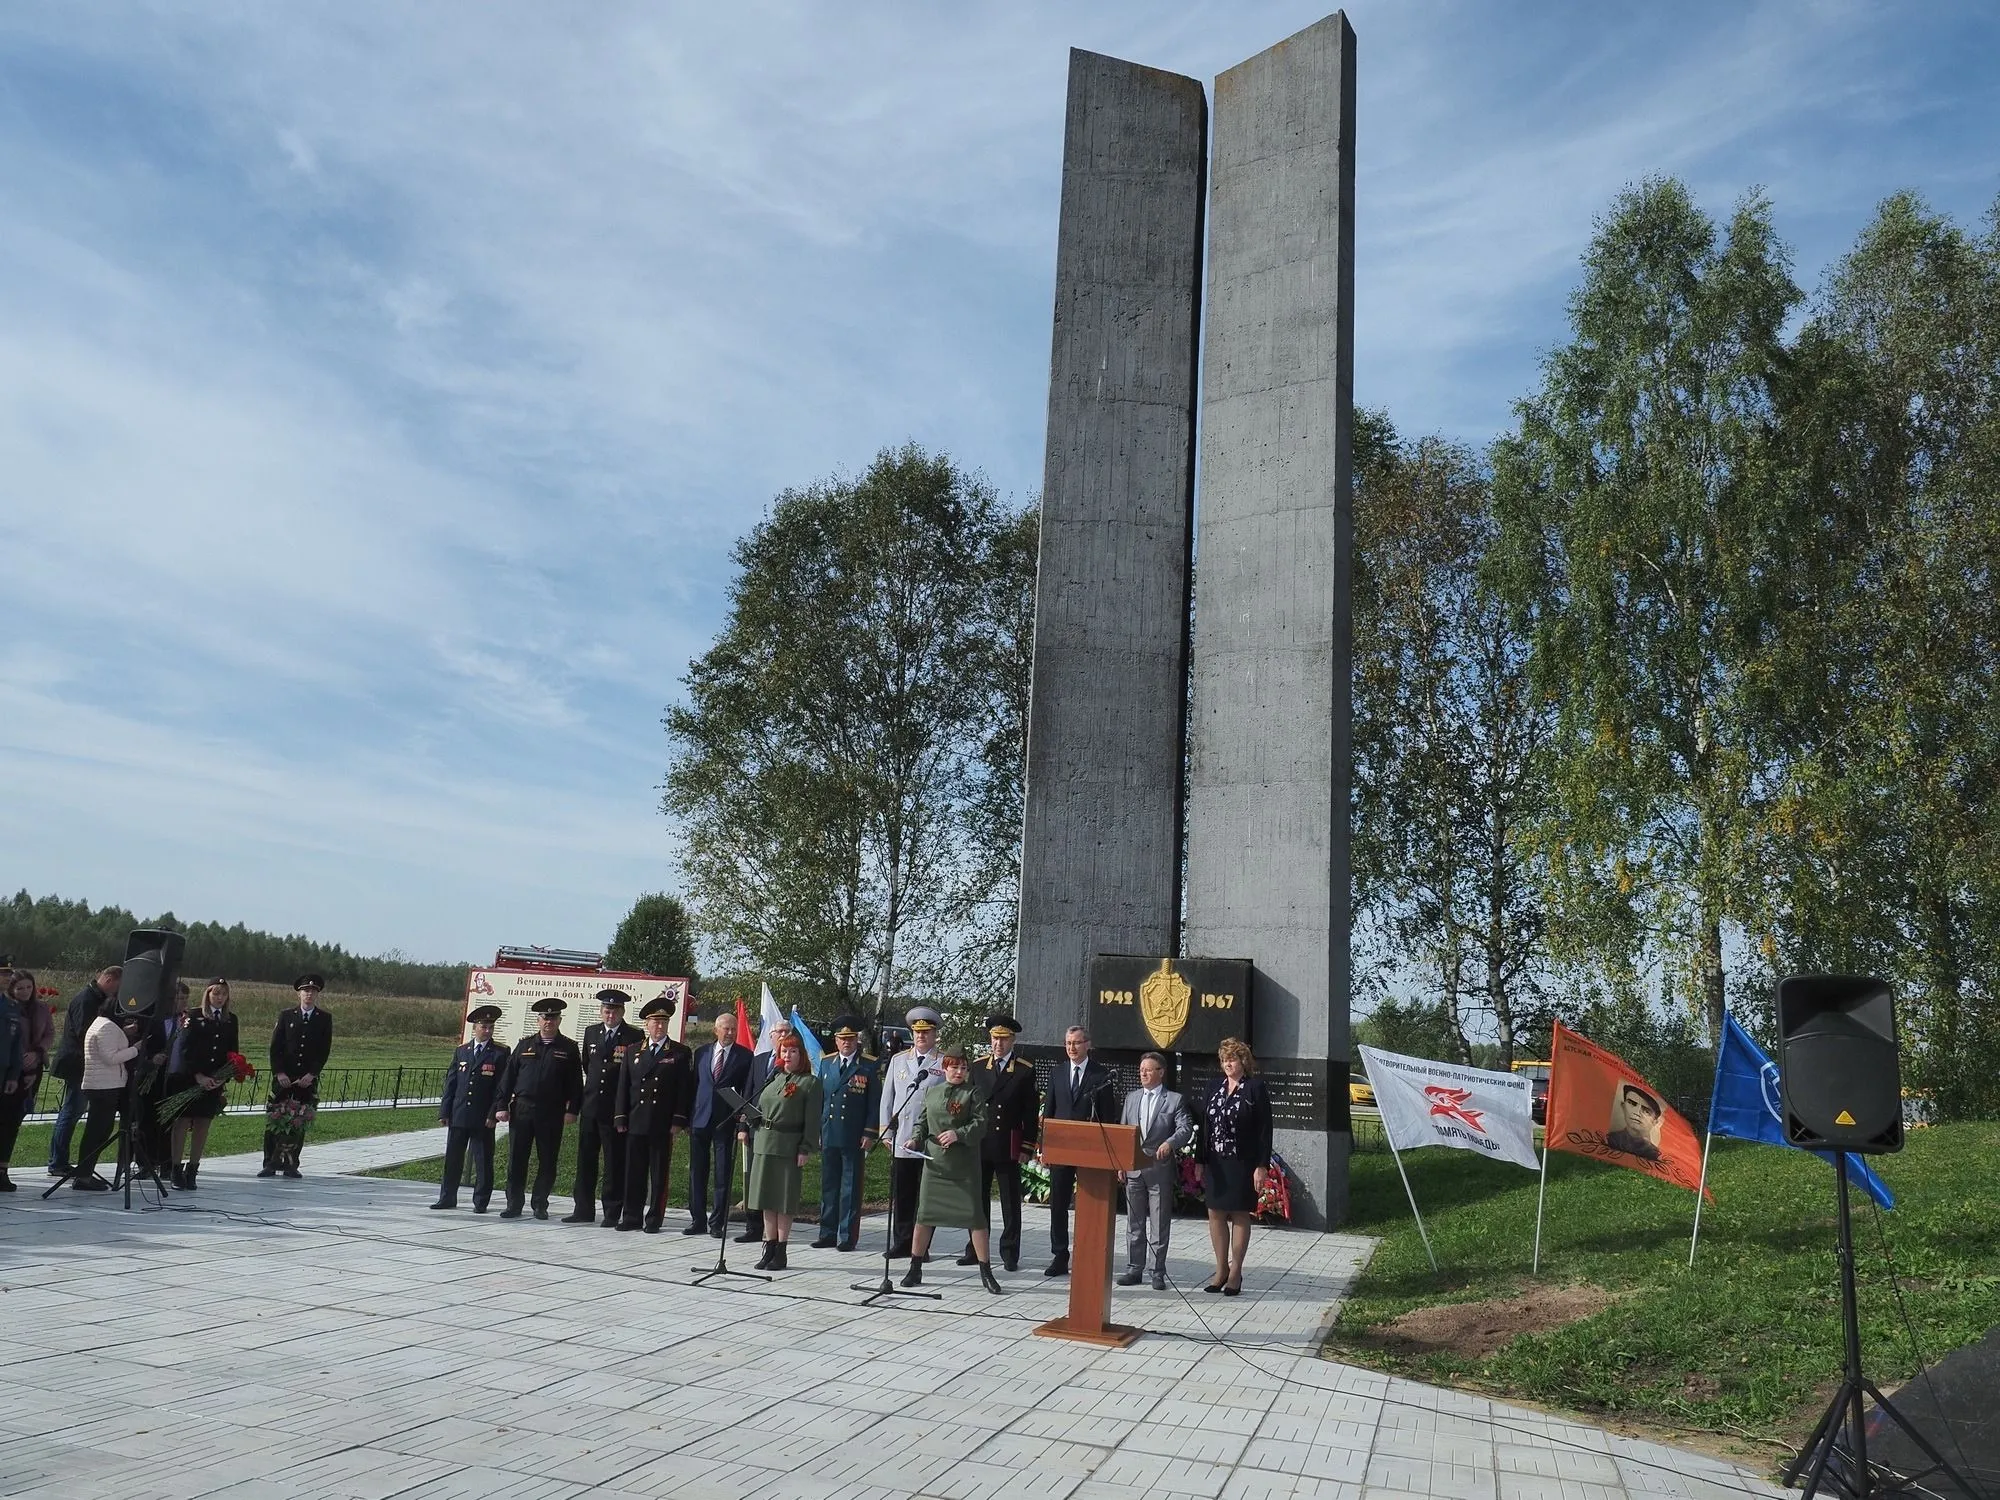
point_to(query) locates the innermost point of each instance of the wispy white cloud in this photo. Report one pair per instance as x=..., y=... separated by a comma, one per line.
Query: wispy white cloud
x=382, y=387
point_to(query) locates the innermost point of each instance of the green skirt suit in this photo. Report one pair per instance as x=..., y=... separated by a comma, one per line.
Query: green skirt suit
x=791, y=1104
x=950, y=1195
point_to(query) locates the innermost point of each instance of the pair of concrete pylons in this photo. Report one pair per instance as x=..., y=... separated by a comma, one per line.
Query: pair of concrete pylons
x=1219, y=711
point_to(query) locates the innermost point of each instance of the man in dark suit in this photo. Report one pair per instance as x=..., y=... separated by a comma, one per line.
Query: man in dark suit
x=466, y=1111
x=1008, y=1082
x=605, y=1044
x=654, y=1086
x=761, y=1068
x=300, y=1045
x=717, y=1064
x=540, y=1092
x=1079, y=1089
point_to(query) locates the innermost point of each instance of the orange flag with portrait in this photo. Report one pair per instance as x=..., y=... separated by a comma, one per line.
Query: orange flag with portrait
x=1599, y=1107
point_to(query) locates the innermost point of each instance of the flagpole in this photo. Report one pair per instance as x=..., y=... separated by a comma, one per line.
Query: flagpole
x=1700, y=1193
x=1541, y=1197
x=1413, y=1199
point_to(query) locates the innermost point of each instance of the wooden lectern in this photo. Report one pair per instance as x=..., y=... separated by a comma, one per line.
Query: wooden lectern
x=1099, y=1153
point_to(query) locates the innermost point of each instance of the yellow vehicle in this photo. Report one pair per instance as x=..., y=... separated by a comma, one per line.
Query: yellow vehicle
x=1359, y=1090
x=1538, y=1073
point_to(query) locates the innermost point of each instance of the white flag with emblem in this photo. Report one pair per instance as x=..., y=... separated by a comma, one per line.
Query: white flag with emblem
x=1427, y=1103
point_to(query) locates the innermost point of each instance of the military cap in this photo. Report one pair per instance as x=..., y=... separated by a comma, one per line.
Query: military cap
x=309, y=982
x=923, y=1018
x=549, y=1007
x=488, y=1013
x=1002, y=1024
x=613, y=997
x=659, y=1005
x=849, y=1025
x=951, y=1050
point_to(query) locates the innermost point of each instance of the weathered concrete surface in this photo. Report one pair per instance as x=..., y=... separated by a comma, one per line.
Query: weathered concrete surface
x=1107, y=723
x=1270, y=771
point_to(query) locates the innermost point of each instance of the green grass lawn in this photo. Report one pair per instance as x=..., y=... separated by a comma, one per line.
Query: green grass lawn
x=1748, y=1342
x=875, y=1180
x=235, y=1133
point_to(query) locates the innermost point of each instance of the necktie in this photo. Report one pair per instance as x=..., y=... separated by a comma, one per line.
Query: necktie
x=1076, y=1084
x=719, y=1055
x=1146, y=1114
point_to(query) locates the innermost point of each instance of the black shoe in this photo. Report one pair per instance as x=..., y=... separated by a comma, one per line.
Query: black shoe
x=6, y=1182
x=781, y=1262
x=1011, y=1262
x=174, y=1175
x=580, y=1217
x=986, y=1277
x=541, y=1213
x=510, y=1212
x=1159, y=1282
x=770, y=1256
x=1234, y=1289
x=651, y=1228
x=293, y=1174
x=1131, y=1277
x=695, y=1229
x=1215, y=1285
x=968, y=1259
x=188, y=1175
x=479, y=1208
x=624, y=1228
x=747, y=1237
x=442, y=1204
x=1058, y=1267
x=609, y=1224
x=268, y=1172
x=91, y=1184
x=915, y=1275
x=899, y=1252
x=844, y=1246
x=62, y=1169
x=824, y=1242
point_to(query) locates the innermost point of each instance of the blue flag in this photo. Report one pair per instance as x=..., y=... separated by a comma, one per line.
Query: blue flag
x=1745, y=1105
x=807, y=1039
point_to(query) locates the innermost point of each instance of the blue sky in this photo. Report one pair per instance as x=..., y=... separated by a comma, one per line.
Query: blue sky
x=383, y=386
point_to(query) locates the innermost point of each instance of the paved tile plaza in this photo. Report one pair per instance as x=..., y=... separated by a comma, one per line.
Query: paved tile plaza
x=333, y=1338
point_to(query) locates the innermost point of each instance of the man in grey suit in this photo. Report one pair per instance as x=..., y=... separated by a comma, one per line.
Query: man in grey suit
x=1164, y=1128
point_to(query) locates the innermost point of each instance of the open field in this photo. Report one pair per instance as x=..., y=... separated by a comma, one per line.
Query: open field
x=1747, y=1344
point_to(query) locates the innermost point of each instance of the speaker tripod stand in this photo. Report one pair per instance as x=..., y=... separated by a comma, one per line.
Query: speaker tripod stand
x=129, y=1164
x=1837, y=1452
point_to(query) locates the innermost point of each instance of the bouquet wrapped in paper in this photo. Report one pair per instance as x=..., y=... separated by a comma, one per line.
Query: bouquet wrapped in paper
x=289, y=1116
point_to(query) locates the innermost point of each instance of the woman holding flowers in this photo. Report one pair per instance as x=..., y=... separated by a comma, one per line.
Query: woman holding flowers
x=951, y=1121
x=791, y=1104
x=210, y=1060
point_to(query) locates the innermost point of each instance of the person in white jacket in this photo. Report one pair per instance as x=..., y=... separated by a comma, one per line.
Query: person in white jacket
x=107, y=1047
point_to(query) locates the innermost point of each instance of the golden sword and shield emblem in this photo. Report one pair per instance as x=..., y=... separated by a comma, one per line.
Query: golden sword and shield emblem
x=1163, y=1004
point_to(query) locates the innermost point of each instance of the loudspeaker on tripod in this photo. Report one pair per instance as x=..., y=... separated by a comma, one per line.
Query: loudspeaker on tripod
x=152, y=965
x=1839, y=1078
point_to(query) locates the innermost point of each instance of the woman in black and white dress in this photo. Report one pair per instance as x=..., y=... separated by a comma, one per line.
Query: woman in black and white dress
x=1235, y=1155
x=212, y=1035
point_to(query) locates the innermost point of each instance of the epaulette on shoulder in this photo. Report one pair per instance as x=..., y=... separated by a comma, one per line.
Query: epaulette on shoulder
x=871, y=1057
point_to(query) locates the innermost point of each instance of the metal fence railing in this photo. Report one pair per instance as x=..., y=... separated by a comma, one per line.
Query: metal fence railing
x=339, y=1088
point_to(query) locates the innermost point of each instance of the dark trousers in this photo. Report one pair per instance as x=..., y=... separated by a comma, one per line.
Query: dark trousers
x=545, y=1135
x=711, y=1174
x=282, y=1151
x=649, y=1162
x=14, y=1108
x=1062, y=1193
x=103, y=1119
x=599, y=1140
x=906, y=1175
x=1008, y=1175
x=840, y=1170
x=67, y=1114
x=457, y=1141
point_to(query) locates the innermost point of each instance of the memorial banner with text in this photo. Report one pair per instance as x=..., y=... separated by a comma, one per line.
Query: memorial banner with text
x=1600, y=1107
x=1426, y=1103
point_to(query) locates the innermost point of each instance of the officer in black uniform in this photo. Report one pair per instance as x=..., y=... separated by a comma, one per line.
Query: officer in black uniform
x=605, y=1045
x=655, y=1090
x=540, y=1092
x=466, y=1111
x=1012, y=1122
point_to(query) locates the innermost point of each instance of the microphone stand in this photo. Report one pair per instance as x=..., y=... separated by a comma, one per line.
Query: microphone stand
x=887, y=1286
x=739, y=1107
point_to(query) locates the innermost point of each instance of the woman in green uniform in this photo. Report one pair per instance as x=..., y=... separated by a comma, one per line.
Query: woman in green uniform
x=791, y=1104
x=951, y=1117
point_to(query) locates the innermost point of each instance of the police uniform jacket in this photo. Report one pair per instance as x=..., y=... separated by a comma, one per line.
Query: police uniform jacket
x=1013, y=1103
x=903, y=1084
x=654, y=1088
x=604, y=1052
x=853, y=1090
x=472, y=1085
x=542, y=1079
x=301, y=1044
x=210, y=1040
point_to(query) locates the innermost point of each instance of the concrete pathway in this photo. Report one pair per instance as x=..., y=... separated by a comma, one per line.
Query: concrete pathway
x=333, y=1339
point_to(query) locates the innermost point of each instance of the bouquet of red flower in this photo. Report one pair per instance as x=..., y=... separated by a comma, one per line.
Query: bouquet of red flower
x=1274, y=1204
x=235, y=1069
x=288, y=1117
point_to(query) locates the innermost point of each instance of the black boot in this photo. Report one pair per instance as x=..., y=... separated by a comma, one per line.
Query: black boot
x=770, y=1254
x=970, y=1258
x=779, y=1262
x=174, y=1176
x=187, y=1175
x=986, y=1277
x=915, y=1275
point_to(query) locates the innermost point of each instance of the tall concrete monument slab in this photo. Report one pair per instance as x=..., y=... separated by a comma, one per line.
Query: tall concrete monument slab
x=1270, y=764
x=1100, y=857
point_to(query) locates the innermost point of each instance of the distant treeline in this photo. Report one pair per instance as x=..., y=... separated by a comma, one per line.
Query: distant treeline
x=51, y=933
